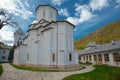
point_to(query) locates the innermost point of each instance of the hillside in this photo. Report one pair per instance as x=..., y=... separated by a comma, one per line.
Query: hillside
x=101, y=36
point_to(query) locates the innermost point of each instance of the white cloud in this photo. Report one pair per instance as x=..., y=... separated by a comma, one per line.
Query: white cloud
x=118, y=4
x=57, y=2
x=63, y=12
x=7, y=35
x=118, y=1
x=16, y=7
x=83, y=13
x=98, y=4
x=73, y=20
x=27, y=4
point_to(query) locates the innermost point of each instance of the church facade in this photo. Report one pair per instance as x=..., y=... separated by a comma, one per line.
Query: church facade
x=49, y=43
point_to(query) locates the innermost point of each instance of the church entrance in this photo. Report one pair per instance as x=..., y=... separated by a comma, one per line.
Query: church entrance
x=99, y=59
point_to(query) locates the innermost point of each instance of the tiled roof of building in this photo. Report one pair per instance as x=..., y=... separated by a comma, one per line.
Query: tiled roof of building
x=114, y=45
x=5, y=47
x=91, y=44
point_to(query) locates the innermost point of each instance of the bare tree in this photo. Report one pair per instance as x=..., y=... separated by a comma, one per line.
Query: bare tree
x=6, y=19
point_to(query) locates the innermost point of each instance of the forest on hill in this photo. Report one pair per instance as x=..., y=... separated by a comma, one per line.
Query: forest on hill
x=103, y=35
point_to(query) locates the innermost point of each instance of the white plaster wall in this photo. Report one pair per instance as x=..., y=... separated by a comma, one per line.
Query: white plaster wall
x=43, y=49
x=32, y=38
x=65, y=44
x=53, y=43
x=16, y=56
x=22, y=54
x=25, y=41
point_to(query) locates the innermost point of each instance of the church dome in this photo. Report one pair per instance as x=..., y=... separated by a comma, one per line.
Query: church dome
x=46, y=12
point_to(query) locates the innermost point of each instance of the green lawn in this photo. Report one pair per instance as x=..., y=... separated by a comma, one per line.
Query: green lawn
x=1, y=69
x=32, y=68
x=100, y=73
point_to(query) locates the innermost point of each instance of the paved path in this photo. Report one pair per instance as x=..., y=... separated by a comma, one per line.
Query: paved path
x=11, y=73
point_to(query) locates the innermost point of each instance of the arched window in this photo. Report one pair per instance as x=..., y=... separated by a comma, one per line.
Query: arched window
x=53, y=57
x=90, y=57
x=18, y=43
x=70, y=56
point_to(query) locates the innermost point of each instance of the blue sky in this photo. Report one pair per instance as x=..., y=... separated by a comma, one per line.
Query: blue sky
x=86, y=15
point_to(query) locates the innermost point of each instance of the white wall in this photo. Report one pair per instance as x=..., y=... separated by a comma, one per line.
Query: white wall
x=16, y=56
x=32, y=37
x=43, y=49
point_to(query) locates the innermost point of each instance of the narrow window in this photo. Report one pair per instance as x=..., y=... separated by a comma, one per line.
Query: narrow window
x=84, y=58
x=87, y=58
x=53, y=57
x=18, y=43
x=90, y=57
x=19, y=38
x=43, y=13
x=70, y=56
x=27, y=56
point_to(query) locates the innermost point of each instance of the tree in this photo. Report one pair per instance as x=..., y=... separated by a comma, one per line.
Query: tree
x=6, y=19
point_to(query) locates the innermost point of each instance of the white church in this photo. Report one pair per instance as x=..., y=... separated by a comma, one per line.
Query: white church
x=49, y=43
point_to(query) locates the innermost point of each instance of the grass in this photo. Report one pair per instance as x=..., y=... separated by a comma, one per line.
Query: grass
x=32, y=68
x=100, y=73
x=1, y=69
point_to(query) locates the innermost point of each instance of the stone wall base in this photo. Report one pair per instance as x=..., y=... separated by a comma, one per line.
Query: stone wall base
x=54, y=67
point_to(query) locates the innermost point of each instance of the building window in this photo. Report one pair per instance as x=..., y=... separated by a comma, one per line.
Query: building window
x=3, y=57
x=90, y=57
x=87, y=58
x=79, y=57
x=84, y=58
x=100, y=57
x=70, y=56
x=116, y=57
x=106, y=57
x=95, y=58
x=4, y=51
x=53, y=57
x=19, y=38
x=27, y=56
x=18, y=43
